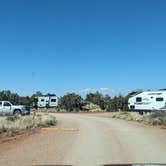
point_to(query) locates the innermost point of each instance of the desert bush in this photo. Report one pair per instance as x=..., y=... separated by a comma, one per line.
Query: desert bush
x=71, y=102
x=12, y=118
x=155, y=118
x=11, y=125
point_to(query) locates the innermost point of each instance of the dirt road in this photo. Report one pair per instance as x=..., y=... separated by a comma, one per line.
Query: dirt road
x=87, y=140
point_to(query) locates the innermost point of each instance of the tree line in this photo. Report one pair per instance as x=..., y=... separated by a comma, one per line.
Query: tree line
x=74, y=102
x=22, y=100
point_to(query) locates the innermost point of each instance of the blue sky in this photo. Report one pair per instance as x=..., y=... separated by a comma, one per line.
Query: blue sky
x=63, y=46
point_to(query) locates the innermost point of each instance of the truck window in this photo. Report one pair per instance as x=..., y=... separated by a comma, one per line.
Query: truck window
x=53, y=100
x=6, y=104
x=0, y=104
x=139, y=99
x=159, y=99
x=42, y=100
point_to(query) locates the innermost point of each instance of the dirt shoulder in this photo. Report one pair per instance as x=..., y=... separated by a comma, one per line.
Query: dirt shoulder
x=7, y=142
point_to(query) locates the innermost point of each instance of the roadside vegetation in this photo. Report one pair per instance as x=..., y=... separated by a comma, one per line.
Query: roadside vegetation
x=72, y=101
x=93, y=101
x=11, y=125
x=22, y=100
x=154, y=118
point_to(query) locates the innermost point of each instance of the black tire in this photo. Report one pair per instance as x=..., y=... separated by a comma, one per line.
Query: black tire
x=17, y=112
x=141, y=112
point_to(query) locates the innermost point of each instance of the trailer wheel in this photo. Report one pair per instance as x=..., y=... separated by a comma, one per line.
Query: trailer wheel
x=141, y=112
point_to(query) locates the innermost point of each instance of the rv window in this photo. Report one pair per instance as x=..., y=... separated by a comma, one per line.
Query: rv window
x=42, y=100
x=139, y=99
x=159, y=99
x=53, y=100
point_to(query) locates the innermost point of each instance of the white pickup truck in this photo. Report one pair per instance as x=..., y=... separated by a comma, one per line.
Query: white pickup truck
x=10, y=108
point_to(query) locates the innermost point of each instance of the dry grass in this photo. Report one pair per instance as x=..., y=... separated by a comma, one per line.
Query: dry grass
x=11, y=125
x=92, y=107
x=130, y=116
x=155, y=118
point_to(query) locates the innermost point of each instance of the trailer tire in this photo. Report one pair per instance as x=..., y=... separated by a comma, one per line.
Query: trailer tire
x=141, y=112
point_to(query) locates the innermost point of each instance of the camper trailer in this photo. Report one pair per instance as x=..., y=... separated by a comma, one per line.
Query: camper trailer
x=148, y=101
x=47, y=101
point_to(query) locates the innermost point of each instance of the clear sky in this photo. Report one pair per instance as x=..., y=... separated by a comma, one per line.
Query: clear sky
x=63, y=46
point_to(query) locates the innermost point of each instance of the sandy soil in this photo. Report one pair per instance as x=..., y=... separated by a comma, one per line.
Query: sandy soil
x=86, y=140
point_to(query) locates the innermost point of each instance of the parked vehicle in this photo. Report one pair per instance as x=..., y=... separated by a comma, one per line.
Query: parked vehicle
x=148, y=101
x=47, y=101
x=10, y=108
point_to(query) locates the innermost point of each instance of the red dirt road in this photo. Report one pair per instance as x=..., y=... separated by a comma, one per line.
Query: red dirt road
x=87, y=139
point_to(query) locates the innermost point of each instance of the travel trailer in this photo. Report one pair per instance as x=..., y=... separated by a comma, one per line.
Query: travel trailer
x=47, y=101
x=148, y=101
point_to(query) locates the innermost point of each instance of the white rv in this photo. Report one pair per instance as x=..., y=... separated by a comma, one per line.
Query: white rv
x=47, y=101
x=148, y=101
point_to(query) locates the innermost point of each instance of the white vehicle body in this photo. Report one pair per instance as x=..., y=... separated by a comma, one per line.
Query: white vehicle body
x=10, y=108
x=47, y=101
x=148, y=101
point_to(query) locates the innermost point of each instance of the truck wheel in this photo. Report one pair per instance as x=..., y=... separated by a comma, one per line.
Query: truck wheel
x=17, y=113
